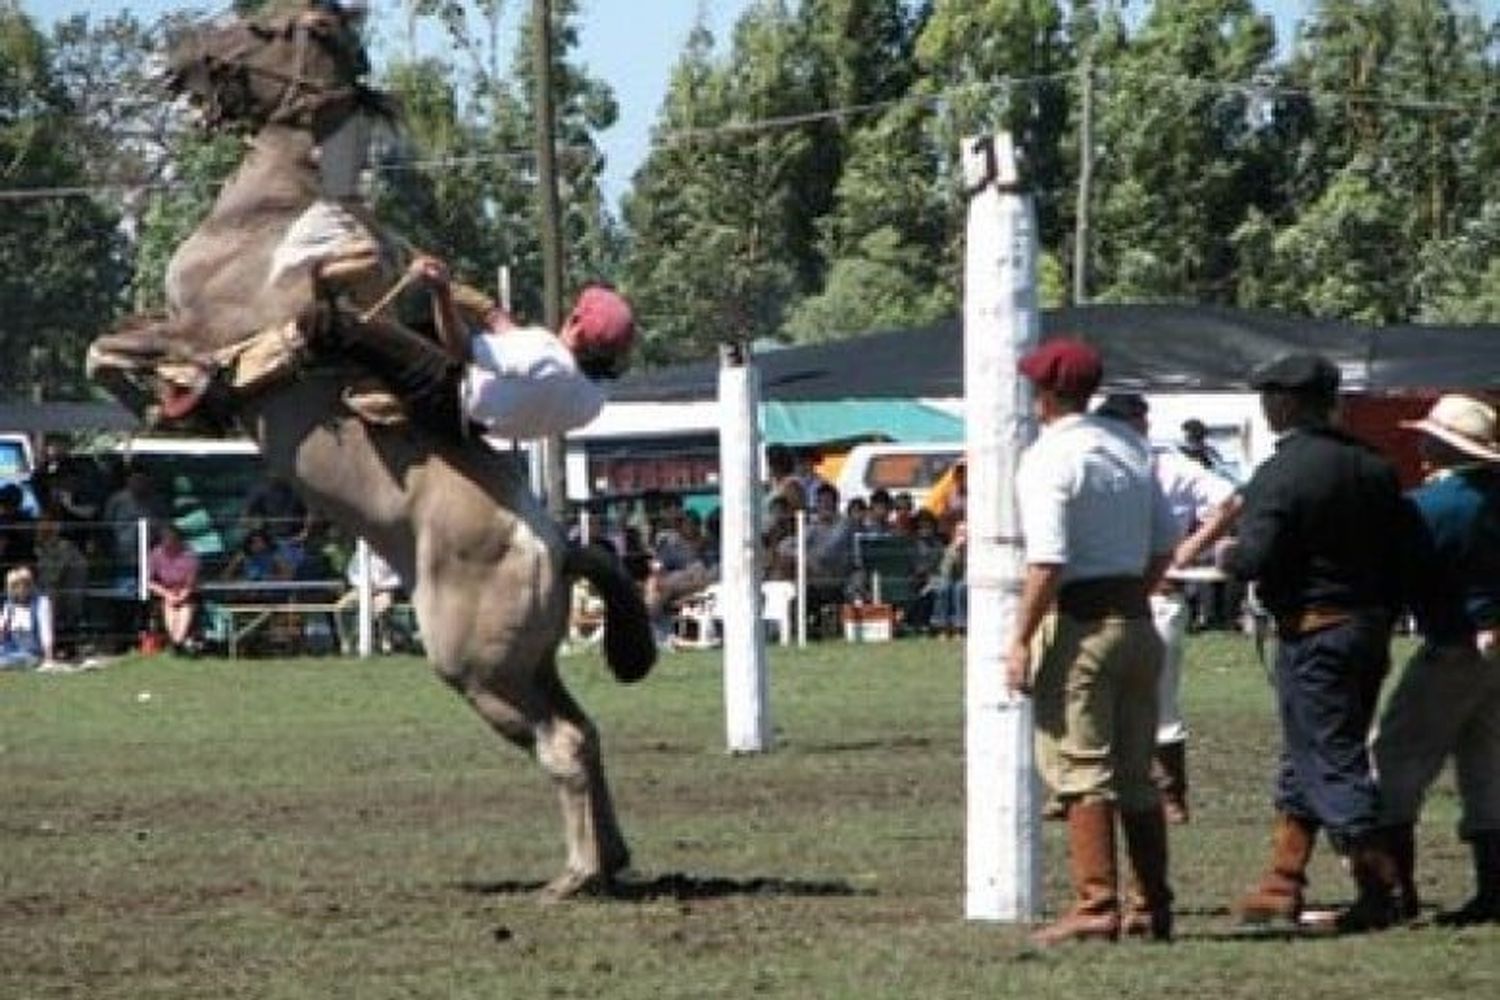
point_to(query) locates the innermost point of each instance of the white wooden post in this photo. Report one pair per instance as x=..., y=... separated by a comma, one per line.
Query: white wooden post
x=1002, y=872
x=364, y=586
x=747, y=711
x=801, y=580
x=143, y=557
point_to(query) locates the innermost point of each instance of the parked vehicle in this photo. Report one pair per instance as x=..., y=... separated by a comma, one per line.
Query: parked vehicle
x=896, y=467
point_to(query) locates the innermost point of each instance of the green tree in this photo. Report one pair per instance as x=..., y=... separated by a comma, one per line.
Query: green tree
x=1181, y=142
x=1005, y=64
x=462, y=181
x=61, y=271
x=721, y=241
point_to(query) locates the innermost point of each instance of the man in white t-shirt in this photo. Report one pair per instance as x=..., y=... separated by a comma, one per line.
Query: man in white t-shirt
x=517, y=382
x=1194, y=494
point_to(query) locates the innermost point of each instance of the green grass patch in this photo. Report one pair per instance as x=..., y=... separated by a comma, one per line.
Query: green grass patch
x=321, y=828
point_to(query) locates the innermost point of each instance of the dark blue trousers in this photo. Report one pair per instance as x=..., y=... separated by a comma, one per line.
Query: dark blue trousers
x=1327, y=690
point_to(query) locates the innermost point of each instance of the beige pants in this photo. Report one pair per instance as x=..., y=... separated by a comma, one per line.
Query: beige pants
x=1095, y=701
x=1447, y=702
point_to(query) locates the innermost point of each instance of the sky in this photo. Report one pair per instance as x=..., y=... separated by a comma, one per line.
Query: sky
x=630, y=44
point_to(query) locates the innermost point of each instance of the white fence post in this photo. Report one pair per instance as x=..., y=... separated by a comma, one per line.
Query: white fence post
x=747, y=712
x=365, y=588
x=801, y=579
x=143, y=557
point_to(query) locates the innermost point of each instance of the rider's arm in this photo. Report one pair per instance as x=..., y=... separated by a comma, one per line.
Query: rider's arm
x=452, y=333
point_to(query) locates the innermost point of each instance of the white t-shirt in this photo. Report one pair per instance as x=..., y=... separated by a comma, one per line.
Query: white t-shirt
x=1193, y=491
x=1089, y=501
x=523, y=384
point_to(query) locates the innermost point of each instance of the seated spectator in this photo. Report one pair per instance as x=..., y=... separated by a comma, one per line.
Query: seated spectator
x=681, y=566
x=61, y=573
x=903, y=513
x=928, y=550
x=779, y=534
x=830, y=555
x=878, y=517
x=855, y=512
x=785, y=483
x=25, y=623
x=257, y=560
x=275, y=507
x=17, y=530
x=122, y=512
x=385, y=592
x=950, y=588
x=173, y=580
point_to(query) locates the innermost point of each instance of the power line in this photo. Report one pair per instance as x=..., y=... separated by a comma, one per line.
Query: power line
x=934, y=101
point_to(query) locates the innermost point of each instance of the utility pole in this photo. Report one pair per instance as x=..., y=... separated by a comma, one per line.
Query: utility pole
x=1082, y=226
x=550, y=213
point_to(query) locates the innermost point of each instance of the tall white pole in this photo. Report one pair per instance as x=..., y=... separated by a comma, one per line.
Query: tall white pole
x=747, y=703
x=1002, y=871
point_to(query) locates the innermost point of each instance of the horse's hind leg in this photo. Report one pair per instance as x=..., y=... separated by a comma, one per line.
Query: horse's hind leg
x=549, y=724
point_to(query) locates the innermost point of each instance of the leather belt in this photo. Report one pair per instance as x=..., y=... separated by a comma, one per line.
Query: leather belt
x=1104, y=597
x=1310, y=620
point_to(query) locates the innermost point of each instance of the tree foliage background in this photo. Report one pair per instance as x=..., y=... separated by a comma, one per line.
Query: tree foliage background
x=801, y=180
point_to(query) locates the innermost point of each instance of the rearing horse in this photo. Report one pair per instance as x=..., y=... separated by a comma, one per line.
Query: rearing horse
x=489, y=569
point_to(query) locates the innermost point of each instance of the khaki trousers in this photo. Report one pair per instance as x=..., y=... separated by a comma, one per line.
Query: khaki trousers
x=1447, y=702
x=1095, y=696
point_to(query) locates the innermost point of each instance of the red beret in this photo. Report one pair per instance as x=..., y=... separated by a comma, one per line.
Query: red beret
x=1067, y=366
x=603, y=321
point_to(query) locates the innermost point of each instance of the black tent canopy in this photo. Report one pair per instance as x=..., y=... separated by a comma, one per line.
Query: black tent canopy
x=1145, y=347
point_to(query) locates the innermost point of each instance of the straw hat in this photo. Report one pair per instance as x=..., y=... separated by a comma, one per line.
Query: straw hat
x=1461, y=422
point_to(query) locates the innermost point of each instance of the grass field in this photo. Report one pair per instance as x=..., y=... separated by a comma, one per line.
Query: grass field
x=330, y=828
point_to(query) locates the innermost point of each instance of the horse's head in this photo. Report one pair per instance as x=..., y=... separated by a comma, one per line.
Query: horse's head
x=301, y=64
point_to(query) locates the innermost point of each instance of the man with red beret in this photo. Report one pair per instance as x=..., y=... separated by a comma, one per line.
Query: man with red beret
x=1098, y=534
x=517, y=382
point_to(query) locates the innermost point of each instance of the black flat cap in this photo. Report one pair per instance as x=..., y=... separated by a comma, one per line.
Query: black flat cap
x=1297, y=372
x=1123, y=406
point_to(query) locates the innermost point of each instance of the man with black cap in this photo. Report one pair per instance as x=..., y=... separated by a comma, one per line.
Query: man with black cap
x=1098, y=533
x=1322, y=534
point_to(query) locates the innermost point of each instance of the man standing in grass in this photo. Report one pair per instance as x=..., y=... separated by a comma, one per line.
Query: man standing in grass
x=1448, y=700
x=1098, y=533
x=1322, y=534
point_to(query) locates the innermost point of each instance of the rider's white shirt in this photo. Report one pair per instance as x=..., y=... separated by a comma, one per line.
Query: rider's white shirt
x=523, y=384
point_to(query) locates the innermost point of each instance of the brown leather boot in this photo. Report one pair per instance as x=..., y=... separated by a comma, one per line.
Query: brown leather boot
x=1148, y=906
x=1279, y=894
x=1091, y=861
x=1169, y=772
x=1375, y=877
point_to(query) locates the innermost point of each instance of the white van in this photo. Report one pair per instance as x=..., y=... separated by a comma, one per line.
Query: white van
x=896, y=467
x=15, y=456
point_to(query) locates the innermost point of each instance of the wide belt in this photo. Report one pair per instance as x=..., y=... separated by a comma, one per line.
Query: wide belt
x=1312, y=619
x=1104, y=597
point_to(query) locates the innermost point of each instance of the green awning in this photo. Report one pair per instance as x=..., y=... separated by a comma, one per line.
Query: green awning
x=812, y=423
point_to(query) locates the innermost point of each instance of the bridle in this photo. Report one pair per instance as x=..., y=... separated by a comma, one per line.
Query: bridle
x=302, y=96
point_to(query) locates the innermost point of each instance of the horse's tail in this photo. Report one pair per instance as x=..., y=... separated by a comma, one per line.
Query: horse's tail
x=629, y=644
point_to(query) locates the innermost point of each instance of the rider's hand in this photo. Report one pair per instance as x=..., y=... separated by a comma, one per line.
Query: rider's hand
x=430, y=270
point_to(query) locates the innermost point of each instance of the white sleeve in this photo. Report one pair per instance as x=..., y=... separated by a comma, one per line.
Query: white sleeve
x=1043, y=485
x=1209, y=491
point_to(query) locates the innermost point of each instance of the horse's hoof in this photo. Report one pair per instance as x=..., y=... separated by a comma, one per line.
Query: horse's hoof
x=572, y=885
